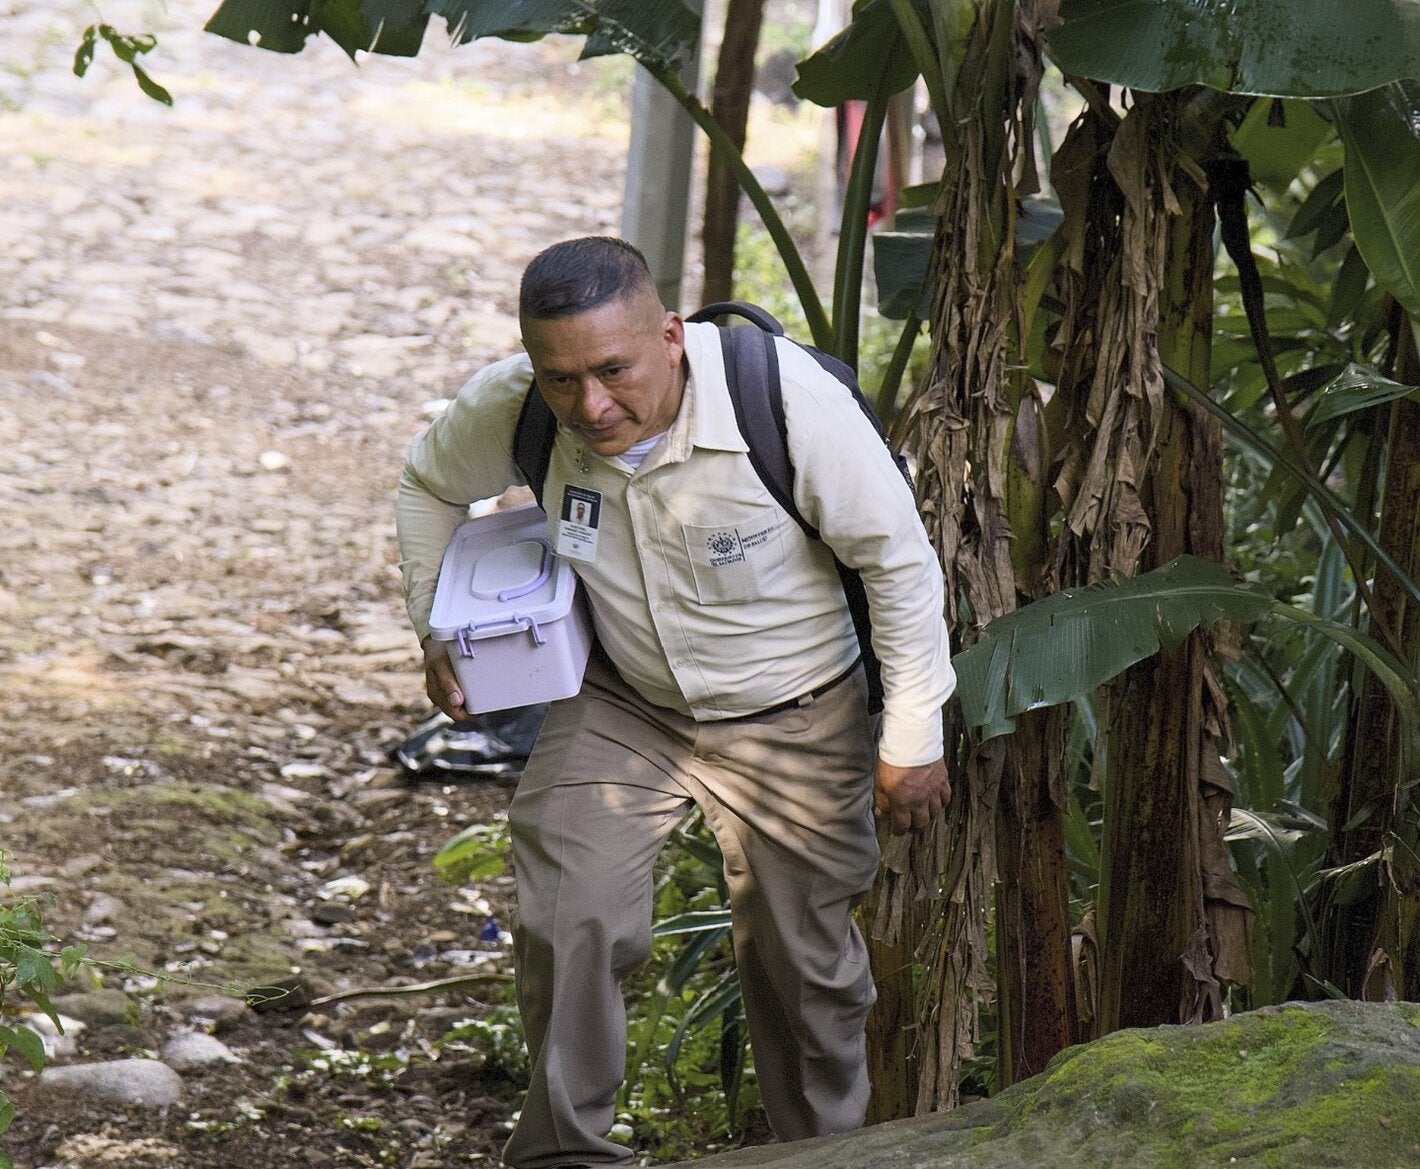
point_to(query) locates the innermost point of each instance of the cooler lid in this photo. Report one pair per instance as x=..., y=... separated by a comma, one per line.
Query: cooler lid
x=506, y=574
x=498, y=572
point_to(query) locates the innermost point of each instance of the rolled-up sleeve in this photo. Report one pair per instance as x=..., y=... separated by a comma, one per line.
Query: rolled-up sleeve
x=463, y=456
x=847, y=485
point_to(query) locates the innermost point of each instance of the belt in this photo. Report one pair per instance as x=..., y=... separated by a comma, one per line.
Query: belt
x=801, y=700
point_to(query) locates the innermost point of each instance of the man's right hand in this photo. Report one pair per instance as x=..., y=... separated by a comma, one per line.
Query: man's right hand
x=440, y=681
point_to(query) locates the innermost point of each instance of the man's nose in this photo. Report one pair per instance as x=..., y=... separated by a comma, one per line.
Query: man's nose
x=592, y=400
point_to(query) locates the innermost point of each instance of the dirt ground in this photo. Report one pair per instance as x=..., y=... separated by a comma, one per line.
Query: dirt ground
x=220, y=325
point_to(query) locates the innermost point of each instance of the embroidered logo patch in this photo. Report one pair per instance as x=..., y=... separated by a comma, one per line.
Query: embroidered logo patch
x=724, y=549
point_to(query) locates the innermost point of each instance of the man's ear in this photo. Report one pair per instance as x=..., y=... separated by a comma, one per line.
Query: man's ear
x=673, y=333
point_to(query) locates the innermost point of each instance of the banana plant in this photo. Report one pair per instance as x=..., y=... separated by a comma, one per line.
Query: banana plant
x=1069, y=644
x=664, y=32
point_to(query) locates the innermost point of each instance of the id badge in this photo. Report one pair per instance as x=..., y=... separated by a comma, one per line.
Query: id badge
x=578, y=523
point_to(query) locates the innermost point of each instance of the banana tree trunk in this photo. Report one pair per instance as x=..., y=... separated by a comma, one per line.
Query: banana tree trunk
x=1142, y=484
x=1373, y=946
x=892, y=1055
x=1400, y=533
x=981, y=490
x=1161, y=946
x=1035, y=998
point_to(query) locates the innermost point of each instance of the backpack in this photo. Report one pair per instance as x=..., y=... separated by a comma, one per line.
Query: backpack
x=752, y=375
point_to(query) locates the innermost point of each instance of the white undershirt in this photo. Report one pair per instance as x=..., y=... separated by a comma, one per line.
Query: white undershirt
x=634, y=455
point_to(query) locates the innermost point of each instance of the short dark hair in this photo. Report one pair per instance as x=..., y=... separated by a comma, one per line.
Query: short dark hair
x=581, y=274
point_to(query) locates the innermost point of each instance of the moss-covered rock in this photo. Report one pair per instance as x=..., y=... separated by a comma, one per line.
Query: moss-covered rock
x=1305, y=1085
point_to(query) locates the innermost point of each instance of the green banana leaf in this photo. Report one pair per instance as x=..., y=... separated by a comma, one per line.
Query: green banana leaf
x=1322, y=203
x=1068, y=644
x=1279, y=831
x=903, y=274
x=1357, y=387
x=663, y=33
x=1289, y=48
x=1237, y=429
x=1278, y=137
x=1275, y=855
x=693, y=922
x=392, y=27
x=1261, y=773
x=1381, y=130
x=850, y=67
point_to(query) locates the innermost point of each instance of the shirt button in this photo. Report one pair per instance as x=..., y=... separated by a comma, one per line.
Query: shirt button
x=680, y=662
x=664, y=606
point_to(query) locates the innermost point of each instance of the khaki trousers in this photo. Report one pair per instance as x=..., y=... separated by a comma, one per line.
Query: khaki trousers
x=789, y=799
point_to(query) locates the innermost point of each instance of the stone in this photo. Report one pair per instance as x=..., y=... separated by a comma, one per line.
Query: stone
x=331, y=913
x=285, y=994
x=302, y=770
x=102, y=908
x=98, y=1008
x=60, y=1042
x=196, y=1050
x=216, y=1013
x=144, y=1083
x=96, y=1149
x=120, y=1039
x=1304, y=1084
x=349, y=886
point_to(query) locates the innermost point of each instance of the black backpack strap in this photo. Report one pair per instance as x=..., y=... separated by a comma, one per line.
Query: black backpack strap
x=532, y=440
x=752, y=376
x=857, y=597
x=739, y=308
x=841, y=371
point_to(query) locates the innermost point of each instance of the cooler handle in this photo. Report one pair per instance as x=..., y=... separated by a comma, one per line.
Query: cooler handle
x=519, y=619
x=513, y=592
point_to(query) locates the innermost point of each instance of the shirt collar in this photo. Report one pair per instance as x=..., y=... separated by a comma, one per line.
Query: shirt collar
x=706, y=418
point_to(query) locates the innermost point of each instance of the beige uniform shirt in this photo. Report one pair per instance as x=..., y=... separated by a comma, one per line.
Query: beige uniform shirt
x=705, y=593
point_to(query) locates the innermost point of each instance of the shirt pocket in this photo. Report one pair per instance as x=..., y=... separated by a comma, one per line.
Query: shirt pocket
x=736, y=560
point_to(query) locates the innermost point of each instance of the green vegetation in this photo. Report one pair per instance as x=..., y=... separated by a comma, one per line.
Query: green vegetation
x=127, y=49
x=31, y=970
x=689, y=1081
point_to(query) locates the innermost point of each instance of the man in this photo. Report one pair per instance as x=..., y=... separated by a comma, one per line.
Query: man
x=727, y=676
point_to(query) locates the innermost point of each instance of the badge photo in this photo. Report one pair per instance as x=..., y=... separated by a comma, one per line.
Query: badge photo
x=578, y=521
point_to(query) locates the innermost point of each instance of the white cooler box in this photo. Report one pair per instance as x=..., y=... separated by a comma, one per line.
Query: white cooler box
x=507, y=605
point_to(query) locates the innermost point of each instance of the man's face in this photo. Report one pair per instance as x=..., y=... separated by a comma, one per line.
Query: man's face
x=612, y=374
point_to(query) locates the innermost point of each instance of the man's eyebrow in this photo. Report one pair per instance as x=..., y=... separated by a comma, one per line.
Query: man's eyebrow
x=605, y=363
